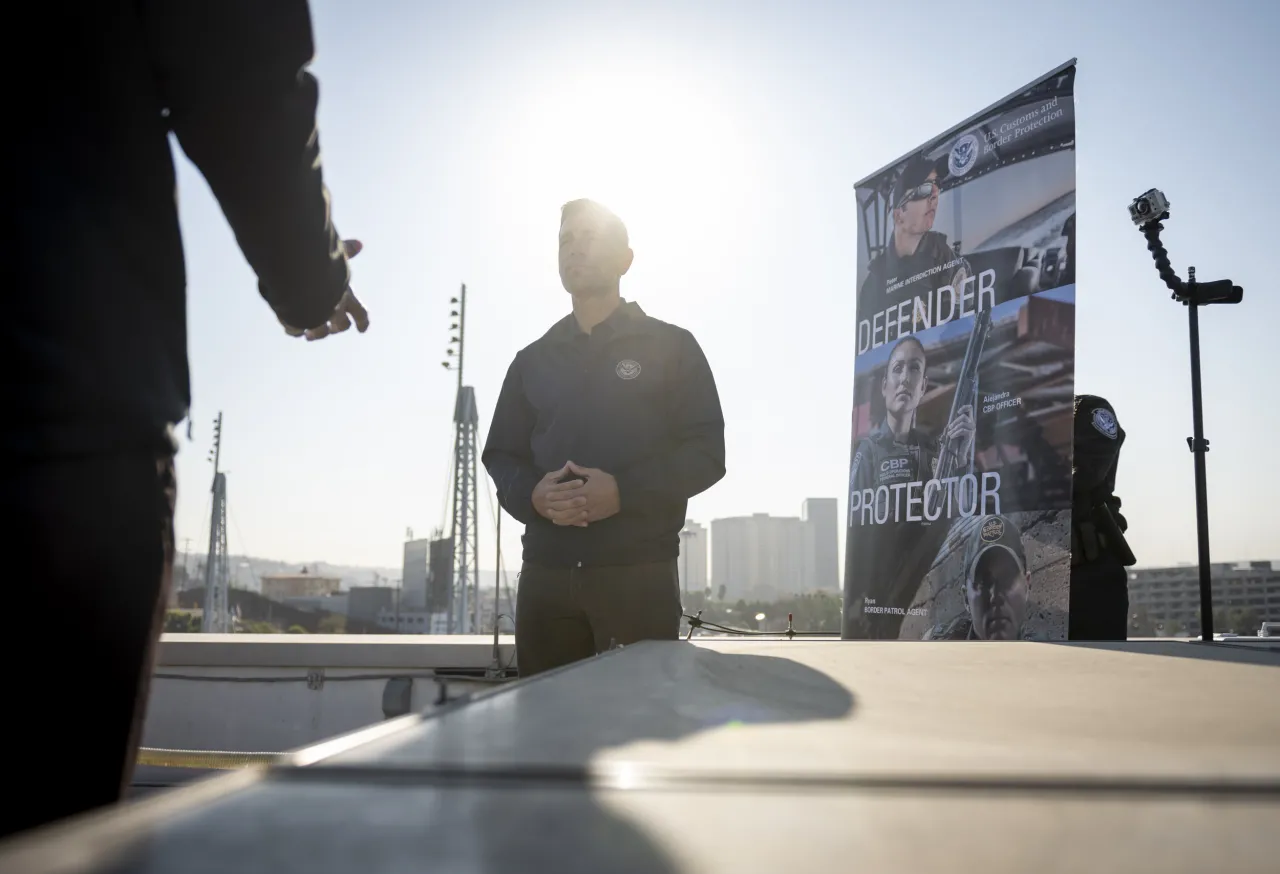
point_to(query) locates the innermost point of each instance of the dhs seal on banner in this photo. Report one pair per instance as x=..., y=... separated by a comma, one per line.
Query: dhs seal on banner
x=628, y=369
x=964, y=154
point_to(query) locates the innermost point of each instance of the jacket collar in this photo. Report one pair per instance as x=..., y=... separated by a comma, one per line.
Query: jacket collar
x=623, y=320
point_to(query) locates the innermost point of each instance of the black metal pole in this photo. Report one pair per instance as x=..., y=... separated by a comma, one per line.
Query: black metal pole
x=497, y=571
x=1199, y=446
x=495, y=669
x=1193, y=296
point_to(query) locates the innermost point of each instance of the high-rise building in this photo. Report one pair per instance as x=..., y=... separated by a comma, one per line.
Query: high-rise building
x=757, y=557
x=414, y=574
x=693, y=557
x=822, y=518
x=763, y=557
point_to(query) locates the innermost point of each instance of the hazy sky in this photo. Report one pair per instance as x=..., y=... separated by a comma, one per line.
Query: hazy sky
x=728, y=136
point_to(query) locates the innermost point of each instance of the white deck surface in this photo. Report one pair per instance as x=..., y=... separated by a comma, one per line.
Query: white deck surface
x=736, y=756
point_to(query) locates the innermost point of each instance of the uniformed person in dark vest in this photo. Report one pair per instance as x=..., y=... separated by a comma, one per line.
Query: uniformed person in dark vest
x=894, y=452
x=1099, y=552
x=997, y=584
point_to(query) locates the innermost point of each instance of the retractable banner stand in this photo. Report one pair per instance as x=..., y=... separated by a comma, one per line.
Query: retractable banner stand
x=959, y=522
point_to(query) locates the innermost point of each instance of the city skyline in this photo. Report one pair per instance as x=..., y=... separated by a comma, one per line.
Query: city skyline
x=388, y=576
x=416, y=586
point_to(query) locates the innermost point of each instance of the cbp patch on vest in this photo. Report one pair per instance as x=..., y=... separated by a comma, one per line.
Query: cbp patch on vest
x=992, y=530
x=1105, y=423
x=628, y=369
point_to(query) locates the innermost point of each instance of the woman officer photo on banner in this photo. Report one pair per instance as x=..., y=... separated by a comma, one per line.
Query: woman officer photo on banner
x=896, y=457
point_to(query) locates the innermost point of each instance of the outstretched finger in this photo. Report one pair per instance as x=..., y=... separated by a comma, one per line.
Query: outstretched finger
x=351, y=304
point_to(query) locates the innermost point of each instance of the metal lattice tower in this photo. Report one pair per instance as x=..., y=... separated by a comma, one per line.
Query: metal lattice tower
x=466, y=522
x=217, y=613
x=465, y=594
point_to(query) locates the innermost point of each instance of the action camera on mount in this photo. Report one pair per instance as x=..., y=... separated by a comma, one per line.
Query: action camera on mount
x=1149, y=207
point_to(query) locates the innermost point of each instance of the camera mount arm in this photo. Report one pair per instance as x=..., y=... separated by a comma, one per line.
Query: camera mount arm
x=1160, y=254
x=1201, y=293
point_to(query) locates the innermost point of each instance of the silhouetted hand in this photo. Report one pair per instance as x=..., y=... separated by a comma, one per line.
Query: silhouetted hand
x=349, y=308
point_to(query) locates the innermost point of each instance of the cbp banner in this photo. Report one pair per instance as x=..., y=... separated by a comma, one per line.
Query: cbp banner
x=960, y=475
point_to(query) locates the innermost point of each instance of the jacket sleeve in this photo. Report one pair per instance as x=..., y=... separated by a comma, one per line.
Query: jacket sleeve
x=508, y=453
x=692, y=460
x=232, y=76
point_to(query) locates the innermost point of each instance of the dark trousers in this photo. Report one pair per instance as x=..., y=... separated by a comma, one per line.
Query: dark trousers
x=1099, y=600
x=88, y=544
x=567, y=614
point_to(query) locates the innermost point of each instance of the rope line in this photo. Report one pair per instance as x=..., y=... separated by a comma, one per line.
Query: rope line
x=696, y=621
x=205, y=759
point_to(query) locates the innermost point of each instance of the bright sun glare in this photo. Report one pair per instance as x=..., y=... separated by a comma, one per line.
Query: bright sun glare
x=647, y=146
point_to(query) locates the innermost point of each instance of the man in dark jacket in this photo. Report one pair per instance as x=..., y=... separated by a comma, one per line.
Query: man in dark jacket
x=95, y=336
x=604, y=428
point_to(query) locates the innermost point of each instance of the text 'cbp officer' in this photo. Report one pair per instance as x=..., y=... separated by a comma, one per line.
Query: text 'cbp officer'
x=604, y=428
